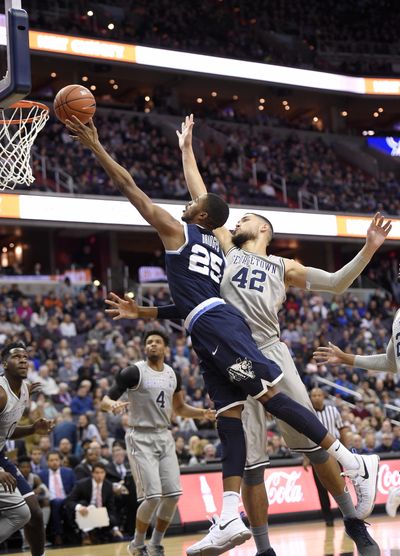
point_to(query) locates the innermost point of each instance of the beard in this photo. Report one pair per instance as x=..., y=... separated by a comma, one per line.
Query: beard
x=240, y=238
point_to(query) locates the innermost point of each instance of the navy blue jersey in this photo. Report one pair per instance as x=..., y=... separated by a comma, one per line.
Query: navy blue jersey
x=195, y=270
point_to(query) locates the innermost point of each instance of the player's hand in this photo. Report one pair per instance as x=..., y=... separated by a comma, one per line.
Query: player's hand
x=35, y=388
x=185, y=135
x=119, y=407
x=126, y=308
x=331, y=354
x=43, y=426
x=210, y=414
x=86, y=134
x=377, y=232
x=8, y=481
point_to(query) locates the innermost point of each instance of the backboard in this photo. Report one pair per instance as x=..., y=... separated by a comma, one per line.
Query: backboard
x=15, y=67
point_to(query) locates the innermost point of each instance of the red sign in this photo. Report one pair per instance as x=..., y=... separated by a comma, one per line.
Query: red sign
x=290, y=490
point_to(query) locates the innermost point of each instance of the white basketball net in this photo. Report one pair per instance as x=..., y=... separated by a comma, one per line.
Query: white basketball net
x=19, y=126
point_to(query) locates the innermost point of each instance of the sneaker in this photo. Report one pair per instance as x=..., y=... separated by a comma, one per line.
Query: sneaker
x=357, y=531
x=221, y=538
x=365, y=481
x=136, y=550
x=393, y=501
x=155, y=550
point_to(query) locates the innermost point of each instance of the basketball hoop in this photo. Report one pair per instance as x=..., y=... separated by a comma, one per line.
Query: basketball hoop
x=19, y=126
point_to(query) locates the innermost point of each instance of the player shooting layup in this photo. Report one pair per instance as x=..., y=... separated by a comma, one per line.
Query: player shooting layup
x=223, y=341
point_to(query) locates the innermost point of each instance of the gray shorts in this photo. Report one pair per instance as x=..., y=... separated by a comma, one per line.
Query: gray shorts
x=10, y=500
x=153, y=462
x=253, y=415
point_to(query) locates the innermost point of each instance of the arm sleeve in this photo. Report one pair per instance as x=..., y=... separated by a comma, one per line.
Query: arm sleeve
x=336, y=282
x=178, y=383
x=380, y=362
x=168, y=312
x=125, y=379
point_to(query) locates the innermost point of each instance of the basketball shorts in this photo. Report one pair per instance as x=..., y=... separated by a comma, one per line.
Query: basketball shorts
x=232, y=365
x=22, y=485
x=153, y=462
x=253, y=415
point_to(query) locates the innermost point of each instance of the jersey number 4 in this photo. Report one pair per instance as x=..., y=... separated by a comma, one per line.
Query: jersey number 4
x=205, y=262
x=257, y=277
x=161, y=399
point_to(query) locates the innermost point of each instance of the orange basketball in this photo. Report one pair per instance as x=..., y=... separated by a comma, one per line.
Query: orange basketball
x=74, y=100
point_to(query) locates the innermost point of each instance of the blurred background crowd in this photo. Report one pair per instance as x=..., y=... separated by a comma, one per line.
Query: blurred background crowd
x=75, y=351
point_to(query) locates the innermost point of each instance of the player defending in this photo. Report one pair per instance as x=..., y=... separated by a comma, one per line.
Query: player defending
x=14, y=398
x=235, y=368
x=256, y=284
x=154, y=392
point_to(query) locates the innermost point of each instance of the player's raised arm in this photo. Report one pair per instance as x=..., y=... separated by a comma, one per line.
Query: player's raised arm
x=194, y=181
x=169, y=229
x=315, y=279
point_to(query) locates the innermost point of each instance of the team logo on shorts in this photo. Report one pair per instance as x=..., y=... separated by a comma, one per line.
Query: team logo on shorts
x=241, y=370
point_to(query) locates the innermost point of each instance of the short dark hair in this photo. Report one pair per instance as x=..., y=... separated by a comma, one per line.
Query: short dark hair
x=99, y=465
x=53, y=453
x=217, y=210
x=24, y=459
x=265, y=220
x=13, y=345
x=156, y=333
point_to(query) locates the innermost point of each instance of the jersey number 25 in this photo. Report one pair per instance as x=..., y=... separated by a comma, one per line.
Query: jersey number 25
x=205, y=262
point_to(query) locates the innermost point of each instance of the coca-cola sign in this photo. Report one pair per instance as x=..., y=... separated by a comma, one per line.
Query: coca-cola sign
x=290, y=489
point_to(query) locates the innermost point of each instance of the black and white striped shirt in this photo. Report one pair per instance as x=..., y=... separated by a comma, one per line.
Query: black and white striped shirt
x=331, y=419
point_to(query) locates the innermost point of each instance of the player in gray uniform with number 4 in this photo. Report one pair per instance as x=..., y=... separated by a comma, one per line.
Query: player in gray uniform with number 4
x=255, y=283
x=154, y=393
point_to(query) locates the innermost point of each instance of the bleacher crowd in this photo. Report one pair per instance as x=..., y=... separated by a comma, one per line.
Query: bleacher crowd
x=244, y=164
x=75, y=351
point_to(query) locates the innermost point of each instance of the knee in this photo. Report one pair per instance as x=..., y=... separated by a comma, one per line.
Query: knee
x=147, y=508
x=317, y=457
x=167, y=507
x=253, y=477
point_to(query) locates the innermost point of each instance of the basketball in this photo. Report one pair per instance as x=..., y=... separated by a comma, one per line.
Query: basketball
x=74, y=100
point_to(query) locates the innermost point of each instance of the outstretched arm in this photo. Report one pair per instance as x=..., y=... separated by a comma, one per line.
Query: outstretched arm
x=379, y=362
x=127, y=308
x=316, y=279
x=194, y=181
x=169, y=229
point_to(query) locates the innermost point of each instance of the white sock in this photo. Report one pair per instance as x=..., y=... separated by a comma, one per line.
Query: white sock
x=230, y=505
x=343, y=456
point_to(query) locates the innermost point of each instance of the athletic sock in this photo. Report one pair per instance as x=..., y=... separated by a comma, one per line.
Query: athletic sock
x=343, y=456
x=157, y=537
x=230, y=505
x=345, y=504
x=139, y=538
x=261, y=538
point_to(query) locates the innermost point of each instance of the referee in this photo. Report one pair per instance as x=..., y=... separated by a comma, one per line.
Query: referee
x=332, y=420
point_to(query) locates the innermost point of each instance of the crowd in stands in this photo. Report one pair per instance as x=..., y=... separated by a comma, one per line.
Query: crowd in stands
x=75, y=351
x=239, y=163
x=331, y=36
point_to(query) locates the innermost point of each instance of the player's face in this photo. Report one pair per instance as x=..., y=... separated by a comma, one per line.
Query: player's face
x=192, y=209
x=16, y=365
x=246, y=229
x=154, y=348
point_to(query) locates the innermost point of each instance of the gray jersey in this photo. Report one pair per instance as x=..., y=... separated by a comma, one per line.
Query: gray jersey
x=151, y=401
x=256, y=286
x=13, y=411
